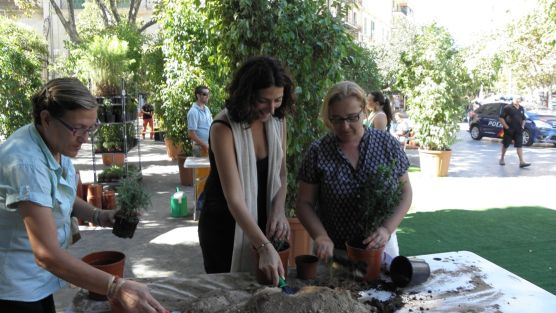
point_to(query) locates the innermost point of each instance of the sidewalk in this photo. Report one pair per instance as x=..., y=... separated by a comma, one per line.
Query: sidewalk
x=165, y=246
x=162, y=245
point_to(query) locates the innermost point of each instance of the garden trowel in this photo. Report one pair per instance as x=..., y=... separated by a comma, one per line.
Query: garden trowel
x=285, y=288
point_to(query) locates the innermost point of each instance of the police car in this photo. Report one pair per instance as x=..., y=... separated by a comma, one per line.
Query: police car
x=484, y=122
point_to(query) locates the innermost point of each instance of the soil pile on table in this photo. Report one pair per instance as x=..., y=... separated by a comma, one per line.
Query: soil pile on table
x=339, y=297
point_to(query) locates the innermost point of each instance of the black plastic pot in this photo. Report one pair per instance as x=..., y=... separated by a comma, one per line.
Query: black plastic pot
x=409, y=271
x=124, y=226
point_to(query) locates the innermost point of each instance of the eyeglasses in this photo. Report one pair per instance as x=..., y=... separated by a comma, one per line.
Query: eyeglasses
x=79, y=131
x=204, y=94
x=352, y=118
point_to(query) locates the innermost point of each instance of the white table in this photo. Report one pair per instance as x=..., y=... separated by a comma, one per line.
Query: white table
x=459, y=282
x=196, y=163
x=465, y=282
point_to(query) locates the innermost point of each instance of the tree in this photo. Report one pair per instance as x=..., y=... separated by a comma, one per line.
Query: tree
x=530, y=50
x=109, y=13
x=206, y=44
x=436, y=83
x=22, y=58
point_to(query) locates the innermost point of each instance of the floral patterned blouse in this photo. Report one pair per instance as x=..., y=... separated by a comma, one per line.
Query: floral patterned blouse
x=339, y=183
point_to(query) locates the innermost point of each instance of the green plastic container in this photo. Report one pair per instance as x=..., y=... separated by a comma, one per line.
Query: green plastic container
x=178, y=204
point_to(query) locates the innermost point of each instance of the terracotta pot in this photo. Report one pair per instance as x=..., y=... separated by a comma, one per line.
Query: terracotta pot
x=108, y=200
x=284, y=254
x=109, y=159
x=300, y=240
x=186, y=174
x=373, y=258
x=109, y=261
x=171, y=149
x=306, y=266
x=124, y=227
x=94, y=195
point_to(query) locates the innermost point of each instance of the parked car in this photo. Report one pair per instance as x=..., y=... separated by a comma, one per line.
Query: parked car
x=484, y=122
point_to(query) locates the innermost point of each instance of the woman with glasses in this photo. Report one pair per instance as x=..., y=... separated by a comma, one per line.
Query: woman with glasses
x=246, y=189
x=37, y=198
x=337, y=165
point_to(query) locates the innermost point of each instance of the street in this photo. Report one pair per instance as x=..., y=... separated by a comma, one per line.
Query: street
x=476, y=181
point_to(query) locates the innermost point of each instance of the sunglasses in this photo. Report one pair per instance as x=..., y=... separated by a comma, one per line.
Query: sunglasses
x=79, y=131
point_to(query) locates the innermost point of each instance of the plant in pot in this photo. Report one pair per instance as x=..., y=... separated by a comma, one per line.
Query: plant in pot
x=379, y=195
x=132, y=199
x=436, y=95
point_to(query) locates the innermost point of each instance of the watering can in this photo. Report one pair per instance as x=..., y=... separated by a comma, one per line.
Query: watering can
x=178, y=204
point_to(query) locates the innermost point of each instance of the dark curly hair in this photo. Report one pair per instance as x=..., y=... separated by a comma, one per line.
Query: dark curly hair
x=61, y=95
x=258, y=73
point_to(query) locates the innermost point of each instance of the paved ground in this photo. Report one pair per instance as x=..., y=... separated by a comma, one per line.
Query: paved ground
x=166, y=246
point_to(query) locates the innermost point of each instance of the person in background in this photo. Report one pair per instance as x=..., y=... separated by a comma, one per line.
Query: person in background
x=379, y=111
x=199, y=119
x=336, y=166
x=245, y=192
x=37, y=198
x=512, y=118
x=400, y=128
x=148, y=115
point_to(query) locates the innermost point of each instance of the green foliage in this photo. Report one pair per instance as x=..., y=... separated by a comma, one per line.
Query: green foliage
x=436, y=83
x=107, y=63
x=22, y=58
x=204, y=45
x=189, y=54
x=380, y=194
x=132, y=198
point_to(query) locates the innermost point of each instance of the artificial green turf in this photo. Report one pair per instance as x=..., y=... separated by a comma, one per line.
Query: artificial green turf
x=519, y=239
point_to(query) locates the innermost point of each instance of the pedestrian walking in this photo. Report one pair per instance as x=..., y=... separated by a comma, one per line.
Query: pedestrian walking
x=513, y=121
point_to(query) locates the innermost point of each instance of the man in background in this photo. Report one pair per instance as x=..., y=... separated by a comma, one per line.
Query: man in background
x=199, y=119
x=148, y=113
x=513, y=121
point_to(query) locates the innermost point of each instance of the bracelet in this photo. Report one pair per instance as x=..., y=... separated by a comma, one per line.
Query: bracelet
x=110, y=282
x=114, y=286
x=262, y=245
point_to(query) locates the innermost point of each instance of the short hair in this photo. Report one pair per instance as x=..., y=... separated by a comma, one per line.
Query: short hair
x=60, y=95
x=337, y=93
x=200, y=89
x=255, y=74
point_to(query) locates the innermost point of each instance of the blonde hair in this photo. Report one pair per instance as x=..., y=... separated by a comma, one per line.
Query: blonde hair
x=339, y=92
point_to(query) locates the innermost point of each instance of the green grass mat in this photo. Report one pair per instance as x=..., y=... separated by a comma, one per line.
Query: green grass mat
x=519, y=239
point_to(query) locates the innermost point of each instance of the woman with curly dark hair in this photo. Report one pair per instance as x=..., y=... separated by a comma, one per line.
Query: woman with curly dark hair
x=246, y=189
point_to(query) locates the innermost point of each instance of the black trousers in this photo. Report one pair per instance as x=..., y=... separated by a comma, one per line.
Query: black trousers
x=45, y=305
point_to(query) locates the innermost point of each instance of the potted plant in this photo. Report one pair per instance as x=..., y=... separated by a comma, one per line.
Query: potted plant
x=436, y=95
x=379, y=195
x=132, y=200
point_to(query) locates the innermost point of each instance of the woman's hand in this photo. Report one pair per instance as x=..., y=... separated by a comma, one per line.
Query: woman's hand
x=135, y=297
x=324, y=247
x=278, y=227
x=107, y=218
x=377, y=239
x=270, y=264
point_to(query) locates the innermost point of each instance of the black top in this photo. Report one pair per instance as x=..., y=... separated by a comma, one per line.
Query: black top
x=216, y=223
x=147, y=111
x=513, y=117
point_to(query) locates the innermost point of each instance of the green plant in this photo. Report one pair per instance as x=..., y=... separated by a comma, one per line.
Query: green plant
x=22, y=58
x=132, y=198
x=107, y=63
x=436, y=83
x=379, y=195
